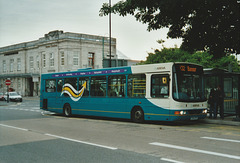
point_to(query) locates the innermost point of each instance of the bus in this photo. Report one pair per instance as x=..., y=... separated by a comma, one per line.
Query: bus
x=155, y=92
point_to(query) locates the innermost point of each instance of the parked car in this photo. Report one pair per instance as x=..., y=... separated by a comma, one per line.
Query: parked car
x=1, y=97
x=13, y=96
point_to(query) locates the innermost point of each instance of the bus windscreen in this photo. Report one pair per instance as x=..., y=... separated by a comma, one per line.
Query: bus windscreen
x=188, y=83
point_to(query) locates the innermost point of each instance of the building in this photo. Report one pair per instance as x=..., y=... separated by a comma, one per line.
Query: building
x=120, y=60
x=57, y=51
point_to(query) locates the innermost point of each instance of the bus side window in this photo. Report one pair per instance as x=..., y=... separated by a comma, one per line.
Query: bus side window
x=160, y=86
x=72, y=82
x=80, y=85
x=50, y=85
x=137, y=85
x=98, y=86
x=116, y=86
x=59, y=85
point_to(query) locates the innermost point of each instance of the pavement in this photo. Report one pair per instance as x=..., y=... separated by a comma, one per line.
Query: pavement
x=228, y=120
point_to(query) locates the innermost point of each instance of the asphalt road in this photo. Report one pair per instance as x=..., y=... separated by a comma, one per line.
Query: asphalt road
x=29, y=135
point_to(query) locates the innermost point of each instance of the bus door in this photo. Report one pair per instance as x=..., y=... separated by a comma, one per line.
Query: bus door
x=160, y=91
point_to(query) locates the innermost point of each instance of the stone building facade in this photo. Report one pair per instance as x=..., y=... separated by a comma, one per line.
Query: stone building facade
x=57, y=51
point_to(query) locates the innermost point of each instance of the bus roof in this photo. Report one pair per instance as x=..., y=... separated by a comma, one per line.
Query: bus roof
x=158, y=67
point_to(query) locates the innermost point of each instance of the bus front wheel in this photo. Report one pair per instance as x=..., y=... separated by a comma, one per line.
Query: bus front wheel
x=67, y=110
x=137, y=115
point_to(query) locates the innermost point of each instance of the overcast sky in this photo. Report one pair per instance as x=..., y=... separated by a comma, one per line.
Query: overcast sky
x=28, y=20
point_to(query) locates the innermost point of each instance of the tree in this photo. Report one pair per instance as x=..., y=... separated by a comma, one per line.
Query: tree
x=203, y=58
x=211, y=25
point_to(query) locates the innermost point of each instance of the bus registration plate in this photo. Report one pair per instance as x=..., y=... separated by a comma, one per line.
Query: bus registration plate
x=193, y=118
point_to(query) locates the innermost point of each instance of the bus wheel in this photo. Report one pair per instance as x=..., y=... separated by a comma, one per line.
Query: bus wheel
x=67, y=110
x=137, y=115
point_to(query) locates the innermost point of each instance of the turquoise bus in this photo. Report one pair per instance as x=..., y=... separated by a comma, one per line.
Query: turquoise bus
x=156, y=92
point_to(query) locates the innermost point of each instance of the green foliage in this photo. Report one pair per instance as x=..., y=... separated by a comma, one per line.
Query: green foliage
x=203, y=24
x=203, y=58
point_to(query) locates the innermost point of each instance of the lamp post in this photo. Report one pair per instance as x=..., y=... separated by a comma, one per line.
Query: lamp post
x=110, y=33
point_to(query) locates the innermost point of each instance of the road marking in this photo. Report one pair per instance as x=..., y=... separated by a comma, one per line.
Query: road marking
x=195, y=150
x=31, y=110
x=170, y=160
x=14, y=127
x=229, y=140
x=74, y=140
x=83, y=142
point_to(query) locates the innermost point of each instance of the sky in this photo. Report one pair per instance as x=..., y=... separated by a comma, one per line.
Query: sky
x=28, y=20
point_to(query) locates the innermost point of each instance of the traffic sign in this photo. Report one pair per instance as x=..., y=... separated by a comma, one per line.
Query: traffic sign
x=8, y=82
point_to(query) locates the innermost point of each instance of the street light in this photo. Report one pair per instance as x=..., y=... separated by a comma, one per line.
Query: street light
x=110, y=32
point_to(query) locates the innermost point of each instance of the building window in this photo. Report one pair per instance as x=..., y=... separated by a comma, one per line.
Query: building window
x=62, y=58
x=44, y=59
x=91, y=60
x=19, y=83
x=75, y=58
x=19, y=64
x=4, y=66
x=51, y=59
x=11, y=65
x=38, y=63
x=31, y=62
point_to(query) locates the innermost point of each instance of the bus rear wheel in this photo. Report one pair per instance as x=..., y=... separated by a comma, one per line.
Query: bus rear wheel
x=67, y=111
x=137, y=115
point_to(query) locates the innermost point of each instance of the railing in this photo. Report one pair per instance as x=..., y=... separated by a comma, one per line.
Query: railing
x=138, y=88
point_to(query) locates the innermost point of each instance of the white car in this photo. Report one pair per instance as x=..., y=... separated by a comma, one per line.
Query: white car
x=13, y=96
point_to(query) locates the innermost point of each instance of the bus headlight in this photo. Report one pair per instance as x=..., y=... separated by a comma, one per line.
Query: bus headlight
x=180, y=112
x=204, y=111
x=183, y=112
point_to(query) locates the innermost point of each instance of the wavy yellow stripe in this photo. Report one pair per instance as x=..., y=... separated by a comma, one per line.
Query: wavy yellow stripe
x=72, y=93
x=102, y=111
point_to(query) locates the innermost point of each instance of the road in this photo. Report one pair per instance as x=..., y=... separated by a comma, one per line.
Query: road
x=29, y=135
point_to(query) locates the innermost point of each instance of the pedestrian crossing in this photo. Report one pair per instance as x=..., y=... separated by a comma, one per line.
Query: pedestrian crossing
x=32, y=109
